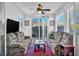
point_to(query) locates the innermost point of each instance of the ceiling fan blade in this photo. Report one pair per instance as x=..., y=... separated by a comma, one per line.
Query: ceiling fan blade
x=46, y=9
x=42, y=12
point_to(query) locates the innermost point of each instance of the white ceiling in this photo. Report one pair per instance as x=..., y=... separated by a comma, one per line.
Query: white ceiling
x=30, y=7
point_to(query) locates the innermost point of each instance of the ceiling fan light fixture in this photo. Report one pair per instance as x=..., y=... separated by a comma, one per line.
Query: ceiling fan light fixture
x=39, y=12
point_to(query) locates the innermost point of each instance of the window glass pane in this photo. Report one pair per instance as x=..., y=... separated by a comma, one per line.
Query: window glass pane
x=60, y=23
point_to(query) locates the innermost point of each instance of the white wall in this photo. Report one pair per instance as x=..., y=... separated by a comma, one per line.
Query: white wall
x=2, y=18
x=26, y=29
x=13, y=12
x=2, y=25
x=51, y=28
x=2, y=28
x=2, y=10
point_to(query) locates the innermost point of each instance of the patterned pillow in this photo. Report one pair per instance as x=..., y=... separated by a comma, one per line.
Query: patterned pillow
x=22, y=35
x=19, y=36
x=11, y=37
x=57, y=36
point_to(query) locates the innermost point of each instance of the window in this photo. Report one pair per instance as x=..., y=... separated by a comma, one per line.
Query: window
x=60, y=22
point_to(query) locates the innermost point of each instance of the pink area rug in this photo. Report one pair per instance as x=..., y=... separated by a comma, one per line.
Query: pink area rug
x=30, y=51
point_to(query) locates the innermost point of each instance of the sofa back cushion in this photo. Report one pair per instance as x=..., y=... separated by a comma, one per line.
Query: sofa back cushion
x=11, y=37
x=67, y=39
x=57, y=36
x=19, y=35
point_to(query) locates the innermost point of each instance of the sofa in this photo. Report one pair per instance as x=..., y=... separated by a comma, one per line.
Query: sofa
x=17, y=39
x=61, y=38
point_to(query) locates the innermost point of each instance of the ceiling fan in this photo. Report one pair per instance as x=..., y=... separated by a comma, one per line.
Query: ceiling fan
x=41, y=9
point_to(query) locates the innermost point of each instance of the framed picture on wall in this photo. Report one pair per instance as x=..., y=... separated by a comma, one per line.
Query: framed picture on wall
x=26, y=23
x=51, y=23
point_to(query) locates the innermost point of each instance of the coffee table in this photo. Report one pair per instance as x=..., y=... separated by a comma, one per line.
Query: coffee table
x=39, y=44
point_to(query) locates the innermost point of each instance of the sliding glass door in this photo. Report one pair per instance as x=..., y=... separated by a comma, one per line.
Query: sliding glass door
x=39, y=28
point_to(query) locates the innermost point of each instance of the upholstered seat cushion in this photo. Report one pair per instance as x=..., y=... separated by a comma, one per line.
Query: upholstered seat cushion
x=16, y=49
